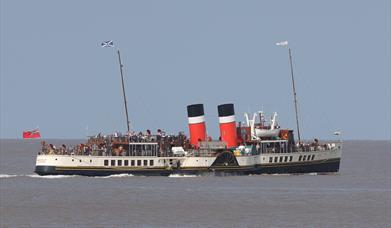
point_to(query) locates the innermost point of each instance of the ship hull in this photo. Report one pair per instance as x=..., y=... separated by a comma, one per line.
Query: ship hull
x=328, y=166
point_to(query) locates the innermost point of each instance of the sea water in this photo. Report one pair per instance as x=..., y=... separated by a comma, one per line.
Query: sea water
x=358, y=196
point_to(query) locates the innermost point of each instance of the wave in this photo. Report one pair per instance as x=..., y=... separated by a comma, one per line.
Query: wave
x=8, y=175
x=117, y=175
x=182, y=175
x=50, y=176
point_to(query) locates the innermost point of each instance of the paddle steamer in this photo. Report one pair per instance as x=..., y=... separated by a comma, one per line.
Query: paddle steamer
x=255, y=148
x=251, y=148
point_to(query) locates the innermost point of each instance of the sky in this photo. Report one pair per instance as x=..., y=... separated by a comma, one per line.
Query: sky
x=55, y=76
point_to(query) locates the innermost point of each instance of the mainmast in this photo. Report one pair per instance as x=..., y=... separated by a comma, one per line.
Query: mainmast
x=285, y=44
x=294, y=95
x=123, y=91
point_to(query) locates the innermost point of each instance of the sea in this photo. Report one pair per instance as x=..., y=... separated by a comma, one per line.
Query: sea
x=358, y=196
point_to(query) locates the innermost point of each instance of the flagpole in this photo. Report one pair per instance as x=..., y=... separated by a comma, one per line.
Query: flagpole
x=123, y=91
x=294, y=95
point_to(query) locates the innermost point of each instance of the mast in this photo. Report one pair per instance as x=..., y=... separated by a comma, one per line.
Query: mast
x=294, y=95
x=123, y=91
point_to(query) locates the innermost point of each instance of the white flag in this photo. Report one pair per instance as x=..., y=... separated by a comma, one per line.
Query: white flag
x=108, y=43
x=282, y=43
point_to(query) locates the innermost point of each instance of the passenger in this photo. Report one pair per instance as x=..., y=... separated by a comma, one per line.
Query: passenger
x=63, y=148
x=51, y=149
x=44, y=147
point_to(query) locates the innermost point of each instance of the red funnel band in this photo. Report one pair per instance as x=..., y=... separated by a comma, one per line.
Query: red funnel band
x=228, y=130
x=197, y=133
x=228, y=134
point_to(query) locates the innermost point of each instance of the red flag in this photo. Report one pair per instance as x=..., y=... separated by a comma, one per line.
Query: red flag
x=34, y=134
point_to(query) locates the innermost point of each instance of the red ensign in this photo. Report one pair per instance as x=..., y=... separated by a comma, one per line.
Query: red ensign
x=31, y=134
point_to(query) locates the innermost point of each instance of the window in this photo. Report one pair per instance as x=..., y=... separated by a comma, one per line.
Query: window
x=145, y=162
x=132, y=162
x=119, y=163
x=286, y=159
x=300, y=157
x=112, y=162
x=281, y=158
x=80, y=160
x=126, y=163
x=90, y=160
x=151, y=162
x=270, y=159
x=275, y=159
x=304, y=157
x=313, y=157
x=106, y=162
x=138, y=162
x=290, y=158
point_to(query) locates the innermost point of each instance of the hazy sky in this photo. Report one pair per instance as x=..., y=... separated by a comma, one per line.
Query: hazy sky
x=55, y=75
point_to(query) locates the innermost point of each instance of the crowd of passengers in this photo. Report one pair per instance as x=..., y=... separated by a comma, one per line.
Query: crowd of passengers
x=102, y=145
x=314, y=146
x=113, y=144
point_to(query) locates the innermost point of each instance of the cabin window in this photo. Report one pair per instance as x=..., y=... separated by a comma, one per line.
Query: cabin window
x=275, y=159
x=313, y=157
x=132, y=162
x=304, y=157
x=290, y=158
x=138, y=162
x=270, y=159
x=126, y=163
x=112, y=162
x=145, y=162
x=151, y=162
x=90, y=161
x=300, y=157
x=80, y=160
x=286, y=159
x=106, y=162
x=281, y=159
x=119, y=163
